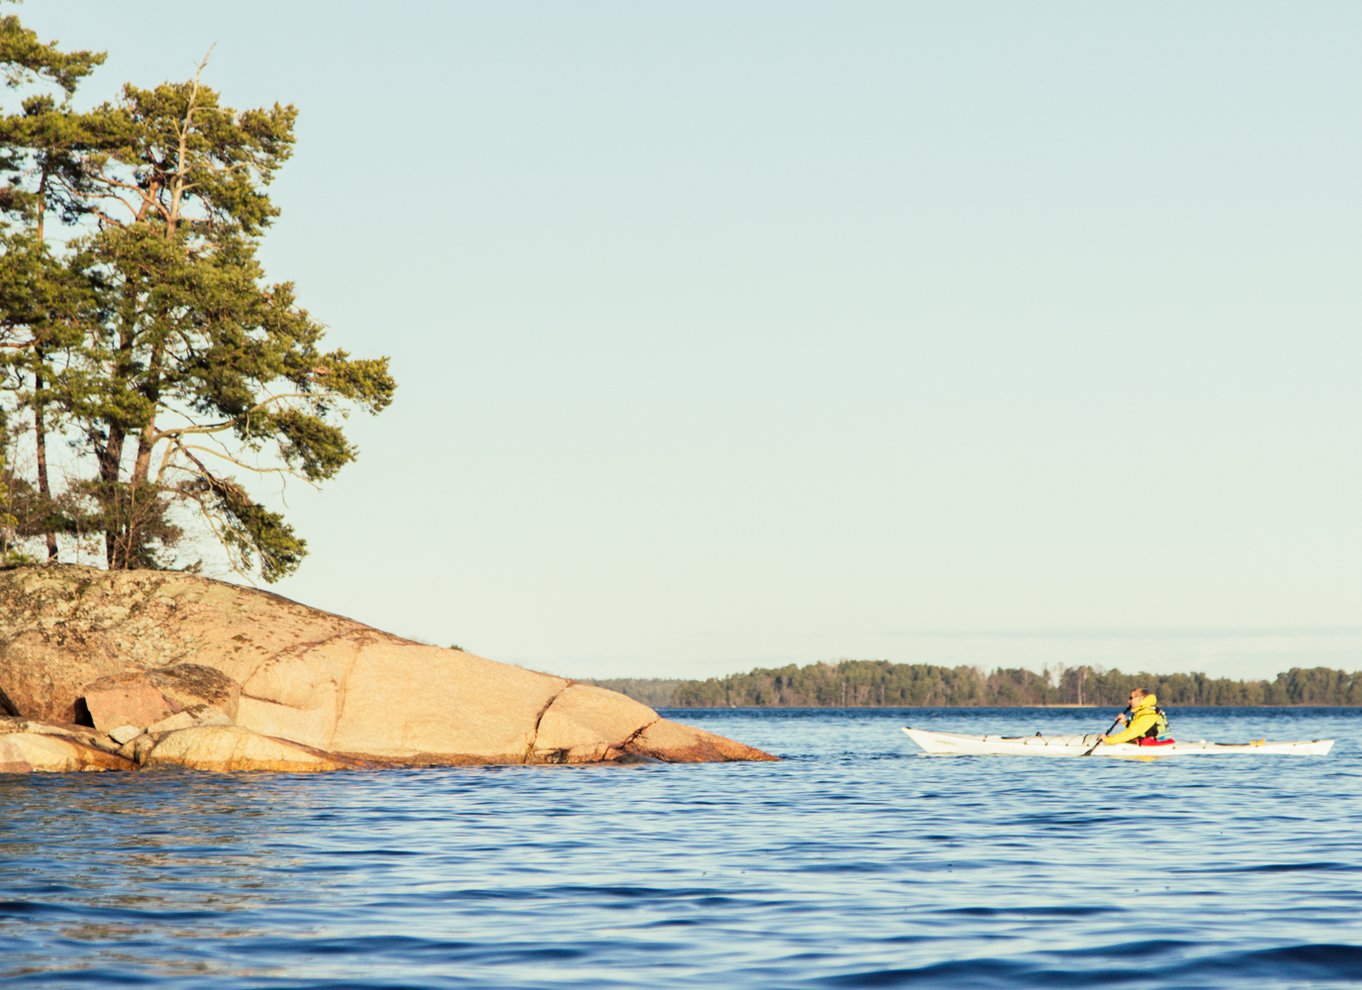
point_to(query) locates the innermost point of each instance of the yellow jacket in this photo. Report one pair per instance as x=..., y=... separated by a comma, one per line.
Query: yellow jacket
x=1142, y=719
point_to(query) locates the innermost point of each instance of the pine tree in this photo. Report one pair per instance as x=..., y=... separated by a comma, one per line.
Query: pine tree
x=152, y=341
x=40, y=143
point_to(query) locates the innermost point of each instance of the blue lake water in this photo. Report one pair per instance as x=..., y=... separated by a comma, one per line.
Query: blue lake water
x=852, y=863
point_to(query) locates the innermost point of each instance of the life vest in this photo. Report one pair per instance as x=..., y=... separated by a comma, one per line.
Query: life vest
x=1159, y=730
x=1149, y=705
x=1145, y=722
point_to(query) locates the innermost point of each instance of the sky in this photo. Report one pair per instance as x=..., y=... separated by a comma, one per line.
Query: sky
x=738, y=334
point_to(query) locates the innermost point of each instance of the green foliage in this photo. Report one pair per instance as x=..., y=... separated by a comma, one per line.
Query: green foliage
x=879, y=683
x=250, y=532
x=150, y=341
x=7, y=520
x=10, y=557
x=137, y=514
x=23, y=56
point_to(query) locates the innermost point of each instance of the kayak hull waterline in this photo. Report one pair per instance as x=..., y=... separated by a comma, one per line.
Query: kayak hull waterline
x=956, y=744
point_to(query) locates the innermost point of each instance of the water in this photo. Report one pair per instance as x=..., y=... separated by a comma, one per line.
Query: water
x=852, y=863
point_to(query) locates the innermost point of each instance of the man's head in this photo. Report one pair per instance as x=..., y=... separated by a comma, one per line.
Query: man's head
x=1136, y=696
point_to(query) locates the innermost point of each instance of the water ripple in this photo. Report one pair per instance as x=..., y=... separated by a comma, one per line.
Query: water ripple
x=852, y=864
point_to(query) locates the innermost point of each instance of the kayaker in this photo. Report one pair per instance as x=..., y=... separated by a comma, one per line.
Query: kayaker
x=1146, y=720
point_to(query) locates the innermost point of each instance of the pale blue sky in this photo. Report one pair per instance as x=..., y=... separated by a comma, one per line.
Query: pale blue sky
x=735, y=334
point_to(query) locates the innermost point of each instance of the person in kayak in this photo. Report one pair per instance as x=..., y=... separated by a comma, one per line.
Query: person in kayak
x=1146, y=720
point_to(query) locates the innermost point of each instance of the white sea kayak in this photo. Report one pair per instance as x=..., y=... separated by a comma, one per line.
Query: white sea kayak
x=957, y=744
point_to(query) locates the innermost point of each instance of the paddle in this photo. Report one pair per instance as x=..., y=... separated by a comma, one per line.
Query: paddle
x=1099, y=738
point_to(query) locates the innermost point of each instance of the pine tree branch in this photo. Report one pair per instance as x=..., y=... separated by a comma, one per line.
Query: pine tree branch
x=181, y=174
x=179, y=431
x=185, y=448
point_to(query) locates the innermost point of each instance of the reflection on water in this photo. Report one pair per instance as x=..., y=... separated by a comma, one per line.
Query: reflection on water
x=854, y=862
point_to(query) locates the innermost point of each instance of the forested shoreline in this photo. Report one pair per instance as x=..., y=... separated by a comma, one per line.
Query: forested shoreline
x=882, y=684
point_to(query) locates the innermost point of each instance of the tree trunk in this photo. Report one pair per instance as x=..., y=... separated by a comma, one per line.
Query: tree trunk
x=118, y=536
x=146, y=440
x=39, y=417
x=109, y=465
x=141, y=465
x=40, y=440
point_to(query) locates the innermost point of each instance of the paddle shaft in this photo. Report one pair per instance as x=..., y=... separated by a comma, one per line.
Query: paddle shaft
x=1099, y=739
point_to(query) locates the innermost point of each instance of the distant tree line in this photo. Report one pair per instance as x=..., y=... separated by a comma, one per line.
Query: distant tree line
x=655, y=692
x=879, y=683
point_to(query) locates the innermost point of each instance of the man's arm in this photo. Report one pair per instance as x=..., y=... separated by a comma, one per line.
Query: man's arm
x=1137, y=727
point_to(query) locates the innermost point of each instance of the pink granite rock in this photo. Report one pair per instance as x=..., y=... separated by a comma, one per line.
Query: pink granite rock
x=124, y=699
x=300, y=676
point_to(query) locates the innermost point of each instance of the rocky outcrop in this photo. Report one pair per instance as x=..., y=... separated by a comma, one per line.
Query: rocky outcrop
x=173, y=669
x=122, y=701
x=27, y=746
x=228, y=748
